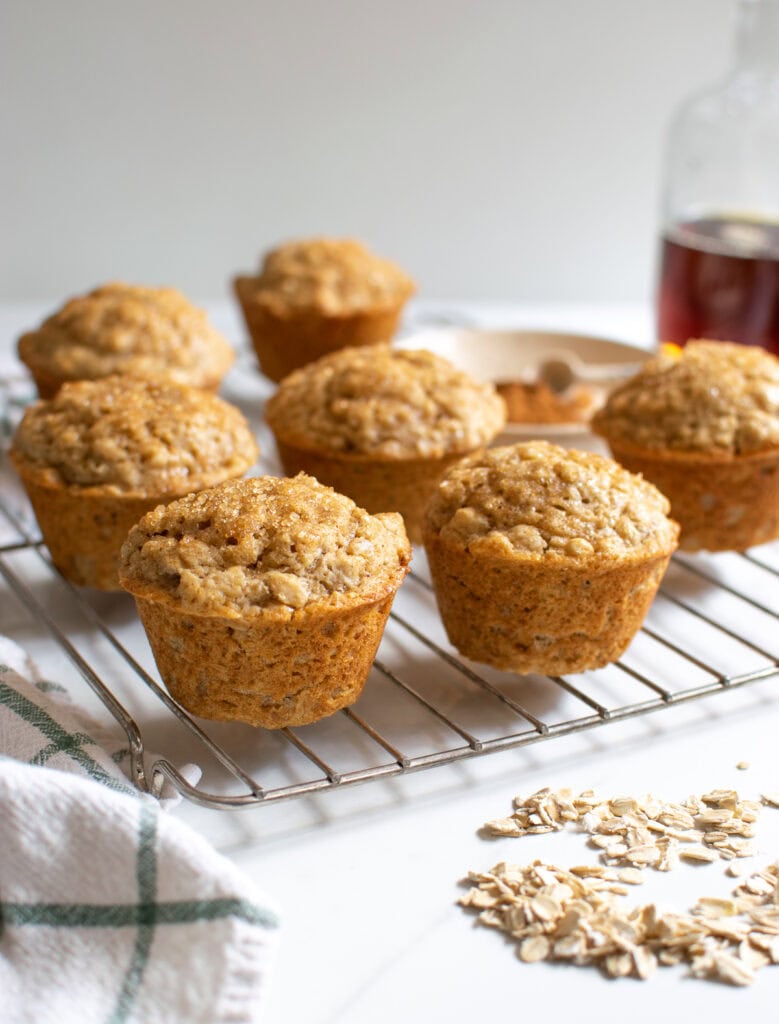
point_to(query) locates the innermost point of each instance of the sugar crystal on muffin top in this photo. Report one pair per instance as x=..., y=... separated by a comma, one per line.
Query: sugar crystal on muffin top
x=712, y=396
x=139, y=331
x=133, y=437
x=264, y=544
x=333, y=275
x=540, y=501
x=385, y=402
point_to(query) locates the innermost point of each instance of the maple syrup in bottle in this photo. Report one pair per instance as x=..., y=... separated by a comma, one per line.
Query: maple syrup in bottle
x=719, y=261
x=719, y=278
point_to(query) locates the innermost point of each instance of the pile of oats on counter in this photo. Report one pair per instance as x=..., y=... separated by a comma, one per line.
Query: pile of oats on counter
x=576, y=914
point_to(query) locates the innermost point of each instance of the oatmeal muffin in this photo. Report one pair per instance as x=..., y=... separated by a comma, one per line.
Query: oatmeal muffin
x=382, y=425
x=545, y=559
x=153, y=333
x=100, y=454
x=312, y=297
x=702, y=424
x=264, y=600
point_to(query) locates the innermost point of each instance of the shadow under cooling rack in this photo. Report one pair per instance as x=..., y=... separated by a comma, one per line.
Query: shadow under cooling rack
x=712, y=627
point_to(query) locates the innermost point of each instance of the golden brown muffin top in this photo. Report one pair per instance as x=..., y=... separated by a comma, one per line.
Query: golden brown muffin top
x=154, y=333
x=387, y=403
x=265, y=545
x=542, y=502
x=713, y=396
x=334, y=276
x=133, y=437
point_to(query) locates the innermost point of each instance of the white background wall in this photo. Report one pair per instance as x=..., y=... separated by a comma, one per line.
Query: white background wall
x=499, y=149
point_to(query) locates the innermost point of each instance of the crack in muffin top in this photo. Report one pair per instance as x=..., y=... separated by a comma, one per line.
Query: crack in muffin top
x=130, y=329
x=540, y=502
x=392, y=403
x=332, y=275
x=715, y=396
x=133, y=437
x=266, y=545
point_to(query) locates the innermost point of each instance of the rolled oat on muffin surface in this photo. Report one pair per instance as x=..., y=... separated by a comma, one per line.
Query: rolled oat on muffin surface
x=382, y=425
x=545, y=559
x=138, y=331
x=265, y=599
x=703, y=425
x=100, y=454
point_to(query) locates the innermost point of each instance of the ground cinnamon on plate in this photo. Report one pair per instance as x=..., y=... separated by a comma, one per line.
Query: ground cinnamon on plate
x=538, y=403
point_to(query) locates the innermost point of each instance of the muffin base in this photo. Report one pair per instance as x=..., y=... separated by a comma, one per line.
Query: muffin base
x=531, y=617
x=722, y=502
x=283, y=343
x=84, y=533
x=265, y=672
x=378, y=485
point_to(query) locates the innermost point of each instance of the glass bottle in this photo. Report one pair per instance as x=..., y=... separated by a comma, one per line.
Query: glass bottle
x=719, y=264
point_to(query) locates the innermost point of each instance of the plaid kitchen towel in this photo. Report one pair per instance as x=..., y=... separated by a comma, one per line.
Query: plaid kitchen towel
x=111, y=910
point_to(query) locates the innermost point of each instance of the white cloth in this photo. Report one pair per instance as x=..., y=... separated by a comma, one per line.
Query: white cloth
x=111, y=911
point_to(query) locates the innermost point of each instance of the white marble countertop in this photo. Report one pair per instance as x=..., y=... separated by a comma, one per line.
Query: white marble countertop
x=367, y=877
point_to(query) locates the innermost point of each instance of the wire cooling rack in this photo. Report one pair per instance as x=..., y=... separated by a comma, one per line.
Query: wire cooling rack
x=714, y=626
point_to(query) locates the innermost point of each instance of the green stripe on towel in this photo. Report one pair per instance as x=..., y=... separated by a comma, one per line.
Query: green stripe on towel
x=118, y=915
x=146, y=875
x=60, y=739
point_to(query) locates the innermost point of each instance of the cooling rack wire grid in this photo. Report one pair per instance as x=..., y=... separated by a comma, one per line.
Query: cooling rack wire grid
x=713, y=627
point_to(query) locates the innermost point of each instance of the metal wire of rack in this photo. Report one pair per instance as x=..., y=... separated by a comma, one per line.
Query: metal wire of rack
x=713, y=626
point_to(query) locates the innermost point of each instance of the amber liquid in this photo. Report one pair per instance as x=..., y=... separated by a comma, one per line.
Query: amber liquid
x=719, y=278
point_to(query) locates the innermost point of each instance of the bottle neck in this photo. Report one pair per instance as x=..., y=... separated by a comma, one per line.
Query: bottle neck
x=757, y=36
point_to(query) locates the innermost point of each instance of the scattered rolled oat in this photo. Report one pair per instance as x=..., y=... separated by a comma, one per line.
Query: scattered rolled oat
x=743, y=765
x=644, y=832
x=631, y=875
x=555, y=914
x=575, y=914
x=698, y=854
